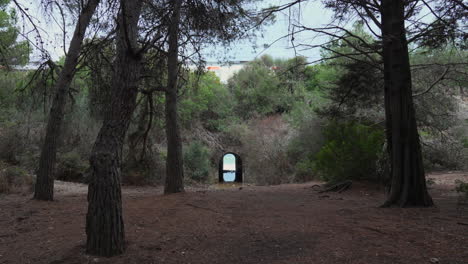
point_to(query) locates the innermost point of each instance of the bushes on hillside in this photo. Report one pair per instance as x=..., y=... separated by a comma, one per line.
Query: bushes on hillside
x=351, y=152
x=304, y=146
x=305, y=169
x=263, y=149
x=266, y=86
x=197, y=161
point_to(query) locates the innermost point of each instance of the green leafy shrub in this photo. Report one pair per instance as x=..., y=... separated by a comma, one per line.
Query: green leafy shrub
x=304, y=170
x=351, y=152
x=461, y=187
x=304, y=146
x=197, y=161
x=146, y=170
x=201, y=102
x=266, y=86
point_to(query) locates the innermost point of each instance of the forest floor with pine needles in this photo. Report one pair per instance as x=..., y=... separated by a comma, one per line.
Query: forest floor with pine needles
x=291, y=223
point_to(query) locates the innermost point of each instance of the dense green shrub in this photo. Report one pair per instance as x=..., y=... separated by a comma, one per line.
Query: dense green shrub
x=304, y=170
x=266, y=86
x=351, y=152
x=197, y=161
x=304, y=146
x=207, y=101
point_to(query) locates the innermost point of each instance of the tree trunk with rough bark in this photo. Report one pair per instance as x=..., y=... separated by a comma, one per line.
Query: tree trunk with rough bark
x=104, y=220
x=174, y=163
x=44, y=188
x=408, y=184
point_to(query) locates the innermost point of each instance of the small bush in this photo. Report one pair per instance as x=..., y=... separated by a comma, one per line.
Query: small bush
x=10, y=145
x=15, y=179
x=304, y=170
x=197, y=161
x=462, y=187
x=135, y=176
x=351, y=152
x=71, y=167
x=147, y=171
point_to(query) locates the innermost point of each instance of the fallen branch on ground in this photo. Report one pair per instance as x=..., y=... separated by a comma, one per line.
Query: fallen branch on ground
x=315, y=185
x=204, y=208
x=338, y=187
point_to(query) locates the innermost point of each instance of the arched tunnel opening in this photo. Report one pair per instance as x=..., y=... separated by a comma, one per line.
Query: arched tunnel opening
x=230, y=168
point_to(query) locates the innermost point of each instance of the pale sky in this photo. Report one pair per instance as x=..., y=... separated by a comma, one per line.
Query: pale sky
x=312, y=14
x=229, y=162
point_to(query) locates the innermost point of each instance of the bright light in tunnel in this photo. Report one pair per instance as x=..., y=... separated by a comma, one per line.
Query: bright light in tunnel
x=229, y=168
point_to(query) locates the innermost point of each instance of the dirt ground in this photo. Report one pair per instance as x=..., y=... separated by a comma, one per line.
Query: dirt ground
x=279, y=224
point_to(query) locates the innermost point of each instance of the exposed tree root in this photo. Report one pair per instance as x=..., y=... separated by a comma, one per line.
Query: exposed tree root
x=203, y=208
x=338, y=187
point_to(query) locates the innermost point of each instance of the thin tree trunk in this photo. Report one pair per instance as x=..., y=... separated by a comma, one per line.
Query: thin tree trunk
x=104, y=220
x=408, y=184
x=174, y=163
x=44, y=188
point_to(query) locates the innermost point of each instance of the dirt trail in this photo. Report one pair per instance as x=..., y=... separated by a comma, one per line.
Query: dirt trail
x=279, y=224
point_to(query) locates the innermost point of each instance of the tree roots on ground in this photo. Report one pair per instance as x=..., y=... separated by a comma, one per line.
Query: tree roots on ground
x=337, y=187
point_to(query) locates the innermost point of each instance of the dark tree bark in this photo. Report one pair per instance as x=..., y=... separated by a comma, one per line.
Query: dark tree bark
x=44, y=188
x=104, y=220
x=408, y=184
x=174, y=164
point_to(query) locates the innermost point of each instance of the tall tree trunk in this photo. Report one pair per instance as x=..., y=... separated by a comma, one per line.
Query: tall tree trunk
x=104, y=220
x=174, y=162
x=408, y=184
x=44, y=188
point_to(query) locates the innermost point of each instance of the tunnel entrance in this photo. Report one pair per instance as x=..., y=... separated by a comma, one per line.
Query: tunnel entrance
x=230, y=168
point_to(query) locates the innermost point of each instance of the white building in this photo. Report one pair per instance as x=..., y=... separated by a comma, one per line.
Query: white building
x=225, y=70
